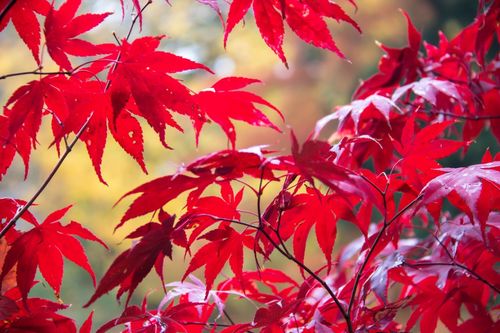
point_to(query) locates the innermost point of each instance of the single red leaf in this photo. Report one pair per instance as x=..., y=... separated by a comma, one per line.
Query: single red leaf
x=23, y=16
x=313, y=209
x=132, y=266
x=205, y=211
x=305, y=18
x=270, y=24
x=309, y=25
x=236, y=13
x=420, y=151
x=225, y=246
x=87, y=324
x=223, y=102
x=399, y=66
x=61, y=28
x=467, y=183
x=140, y=64
x=23, y=116
x=49, y=241
x=34, y=315
x=356, y=110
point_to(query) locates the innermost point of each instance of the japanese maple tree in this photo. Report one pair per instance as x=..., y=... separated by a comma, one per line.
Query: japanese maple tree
x=430, y=235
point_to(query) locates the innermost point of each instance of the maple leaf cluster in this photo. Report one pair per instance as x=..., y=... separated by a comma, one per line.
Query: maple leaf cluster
x=416, y=262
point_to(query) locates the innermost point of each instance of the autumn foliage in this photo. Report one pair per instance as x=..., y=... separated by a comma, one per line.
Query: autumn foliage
x=429, y=249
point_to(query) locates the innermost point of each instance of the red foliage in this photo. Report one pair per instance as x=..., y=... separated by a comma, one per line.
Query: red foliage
x=426, y=103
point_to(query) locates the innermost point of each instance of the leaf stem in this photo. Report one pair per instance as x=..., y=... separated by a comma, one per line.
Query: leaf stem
x=21, y=211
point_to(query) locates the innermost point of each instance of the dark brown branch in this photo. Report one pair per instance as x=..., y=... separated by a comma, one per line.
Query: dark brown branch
x=37, y=71
x=292, y=258
x=231, y=321
x=387, y=223
x=6, y=9
x=20, y=212
x=218, y=218
x=402, y=211
x=137, y=17
x=199, y=323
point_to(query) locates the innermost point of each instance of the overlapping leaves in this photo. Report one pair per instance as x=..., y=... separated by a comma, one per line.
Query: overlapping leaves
x=305, y=18
x=398, y=126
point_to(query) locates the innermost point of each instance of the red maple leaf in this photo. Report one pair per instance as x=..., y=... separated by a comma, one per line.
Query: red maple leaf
x=23, y=116
x=32, y=315
x=132, y=266
x=305, y=18
x=143, y=78
x=223, y=101
x=318, y=210
x=226, y=245
x=205, y=211
x=357, y=109
x=420, y=151
x=61, y=28
x=23, y=16
x=183, y=317
x=44, y=247
x=87, y=103
x=468, y=184
x=218, y=167
x=26, y=104
x=395, y=66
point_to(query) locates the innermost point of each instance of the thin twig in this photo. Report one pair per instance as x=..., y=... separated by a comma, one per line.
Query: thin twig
x=292, y=258
x=228, y=317
x=6, y=9
x=463, y=117
x=213, y=217
x=199, y=323
x=455, y=264
x=277, y=231
x=34, y=72
x=402, y=211
x=136, y=18
x=387, y=223
x=134, y=21
x=314, y=276
x=20, y=212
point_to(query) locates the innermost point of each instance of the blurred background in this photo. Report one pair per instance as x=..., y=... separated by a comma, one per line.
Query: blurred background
x=315, y=83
